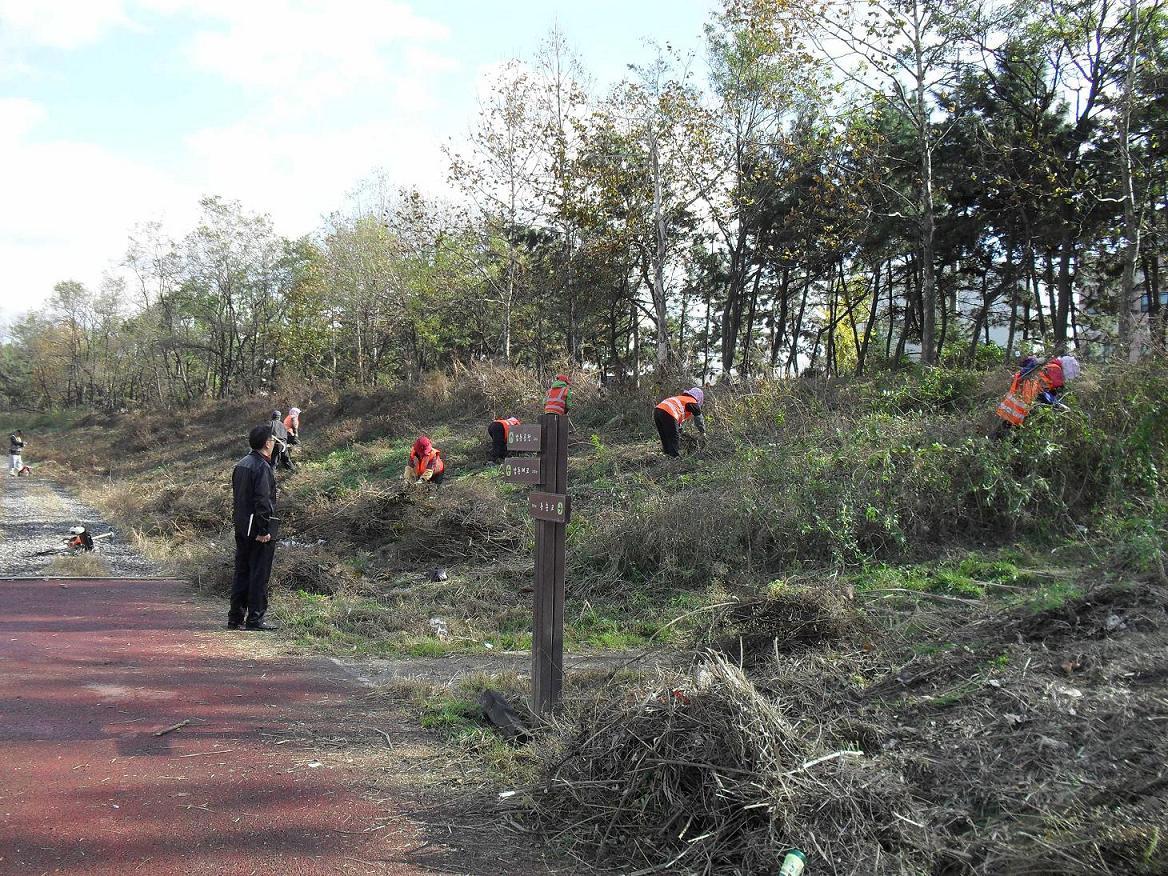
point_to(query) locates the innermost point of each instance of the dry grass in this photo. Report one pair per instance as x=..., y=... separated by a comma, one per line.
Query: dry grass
x=791, y=620
x=466, y=521
x=956, y=703
x=716, y=778
x=86, y=565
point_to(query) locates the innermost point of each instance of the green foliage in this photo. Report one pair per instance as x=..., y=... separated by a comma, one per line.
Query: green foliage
x=848, y=484
x=985, y=357
x=1137, y=538
x=453, y=715
x=1050, y=596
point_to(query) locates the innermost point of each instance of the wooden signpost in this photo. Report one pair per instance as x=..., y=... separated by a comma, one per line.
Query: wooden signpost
x=551, y=509
x=523, y=469
x=525, y=437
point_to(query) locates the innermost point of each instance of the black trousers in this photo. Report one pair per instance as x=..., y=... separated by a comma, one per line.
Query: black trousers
x=498, y=441
x=249, y=586
x=669, y=430
x=283, y=458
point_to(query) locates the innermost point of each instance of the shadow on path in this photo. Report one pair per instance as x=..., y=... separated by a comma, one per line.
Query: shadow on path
x=93, y=670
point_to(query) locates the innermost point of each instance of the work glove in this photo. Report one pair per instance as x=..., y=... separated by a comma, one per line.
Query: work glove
x=427, y=474
x=408, y=474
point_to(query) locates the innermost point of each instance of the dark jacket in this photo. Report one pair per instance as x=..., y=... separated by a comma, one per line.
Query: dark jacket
x=15, y=445
x=279, y=431
x=253, y=488
x=698, y=417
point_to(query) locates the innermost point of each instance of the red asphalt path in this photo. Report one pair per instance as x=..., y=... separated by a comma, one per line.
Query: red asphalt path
x=91, y=669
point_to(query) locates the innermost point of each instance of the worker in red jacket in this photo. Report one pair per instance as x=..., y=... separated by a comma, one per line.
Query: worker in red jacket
x=499, y=431
x=672, y=413
x=426, y=464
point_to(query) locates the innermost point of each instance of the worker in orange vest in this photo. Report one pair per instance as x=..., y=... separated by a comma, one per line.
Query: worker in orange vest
x=426, y=463
x=672, y=413
x=1033, y=383
x=499, y=431
x=559, y=395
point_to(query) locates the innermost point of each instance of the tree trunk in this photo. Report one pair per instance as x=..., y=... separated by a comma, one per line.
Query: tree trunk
x=862, y=354
x=660, y=307
x=798, y=330
x=891, y=314
x=779, y=328
x=983, y=313
x=832, y=306
x=928, y=280
x=732, y=310
x=1132, y=324
x=750, y=324
x=706, y=336
x=1061, y=305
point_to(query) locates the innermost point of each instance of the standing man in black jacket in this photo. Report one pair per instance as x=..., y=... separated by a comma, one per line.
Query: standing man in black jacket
x=253, y=487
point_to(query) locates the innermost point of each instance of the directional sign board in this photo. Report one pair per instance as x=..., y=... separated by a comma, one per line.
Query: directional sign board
x=524, y=470
x=552, y=507
x=525, y=437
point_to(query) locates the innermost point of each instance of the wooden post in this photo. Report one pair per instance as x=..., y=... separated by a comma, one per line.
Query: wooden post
x=551, y=511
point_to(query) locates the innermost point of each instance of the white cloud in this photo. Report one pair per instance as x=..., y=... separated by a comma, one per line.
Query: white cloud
x=302, y=175
x=61, y=24
x=69, y=207
x=309, y=49
x=299, y=55
x=17, y=117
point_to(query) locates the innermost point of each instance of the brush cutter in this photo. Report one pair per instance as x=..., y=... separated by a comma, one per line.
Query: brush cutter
x=78, y=540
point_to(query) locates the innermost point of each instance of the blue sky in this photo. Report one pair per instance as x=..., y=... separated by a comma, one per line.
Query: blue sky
x=114, y=112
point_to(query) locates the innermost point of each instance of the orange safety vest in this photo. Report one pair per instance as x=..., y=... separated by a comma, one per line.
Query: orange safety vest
x=507, y=424
x=675, y=407
x=420, y=465
x=1016, y=404
x=289, y=423
x=556, y=401
x=1013, y=408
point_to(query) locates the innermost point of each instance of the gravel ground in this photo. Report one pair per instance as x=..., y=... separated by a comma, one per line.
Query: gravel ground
x=36, y=515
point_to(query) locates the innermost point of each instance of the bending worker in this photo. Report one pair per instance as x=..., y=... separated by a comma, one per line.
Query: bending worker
x=426, y=463
x=1032, y=384
x=671, y=414
x=499, y=431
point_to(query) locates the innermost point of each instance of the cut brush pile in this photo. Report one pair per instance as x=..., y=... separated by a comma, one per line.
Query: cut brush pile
x=719, y=779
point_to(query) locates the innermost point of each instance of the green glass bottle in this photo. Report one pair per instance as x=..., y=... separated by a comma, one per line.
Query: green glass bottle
x=793, y=864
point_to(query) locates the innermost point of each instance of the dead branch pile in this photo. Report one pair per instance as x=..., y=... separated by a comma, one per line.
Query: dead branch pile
x=204, y=507
x=465, y=520
x=364, y=516
x=718, y=780
x=311, y=569
x=788, y=621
